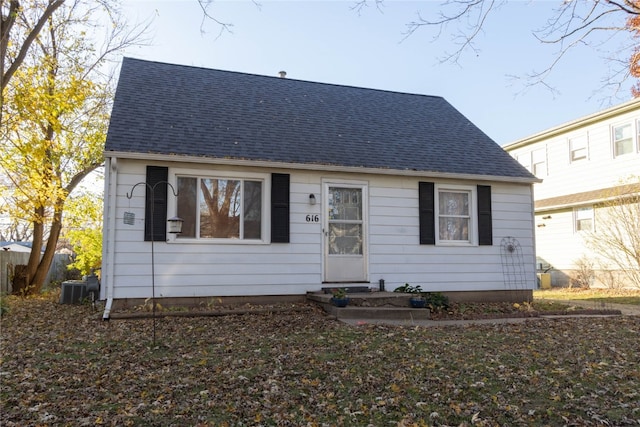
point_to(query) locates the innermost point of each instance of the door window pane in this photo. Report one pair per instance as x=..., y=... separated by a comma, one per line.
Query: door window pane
x=345, y=204
x=345, y=239
x=345, y=221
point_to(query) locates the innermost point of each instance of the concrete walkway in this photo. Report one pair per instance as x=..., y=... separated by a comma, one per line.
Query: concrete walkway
x=625, y=309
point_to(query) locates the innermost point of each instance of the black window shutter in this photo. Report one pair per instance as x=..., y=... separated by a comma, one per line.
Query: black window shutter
x=426, y=212
x=156, y=174
x=279, y=208
x=485, y=225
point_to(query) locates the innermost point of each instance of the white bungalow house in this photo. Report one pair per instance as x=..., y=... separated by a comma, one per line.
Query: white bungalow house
x=285, y=186
x=583, y=164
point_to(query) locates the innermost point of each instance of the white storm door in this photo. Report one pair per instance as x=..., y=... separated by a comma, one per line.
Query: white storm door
x=345, y=233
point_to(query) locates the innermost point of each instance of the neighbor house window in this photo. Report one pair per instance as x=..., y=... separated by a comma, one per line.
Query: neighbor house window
x=578, y=148
x=454, y=219
x=220, y=207
x=539, y=162
x=535, y=161
x=583, y=218
x=622, y=140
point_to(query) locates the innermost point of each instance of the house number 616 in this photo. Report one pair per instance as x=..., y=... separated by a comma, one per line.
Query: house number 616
x=313, y=218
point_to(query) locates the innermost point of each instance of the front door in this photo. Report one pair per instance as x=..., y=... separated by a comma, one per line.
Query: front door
x=345, y=233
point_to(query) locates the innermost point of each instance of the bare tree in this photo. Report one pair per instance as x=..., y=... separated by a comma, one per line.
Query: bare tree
x=571, y=24
x=616, y=238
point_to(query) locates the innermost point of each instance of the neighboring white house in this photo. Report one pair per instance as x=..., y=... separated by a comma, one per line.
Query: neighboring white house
x=582, y=164
x=16, y=246
x=286, y=186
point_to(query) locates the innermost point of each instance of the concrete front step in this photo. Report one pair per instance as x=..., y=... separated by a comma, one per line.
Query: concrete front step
x=379, y=313
x=371, y=305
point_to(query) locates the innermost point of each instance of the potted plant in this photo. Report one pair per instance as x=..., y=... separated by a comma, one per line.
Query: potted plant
x=340, y=298
x=417, y=299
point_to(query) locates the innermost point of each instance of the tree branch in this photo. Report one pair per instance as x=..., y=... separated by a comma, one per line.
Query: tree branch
x=28, y=40
x=224, y=26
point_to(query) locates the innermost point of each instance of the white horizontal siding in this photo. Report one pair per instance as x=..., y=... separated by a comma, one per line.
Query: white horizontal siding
x=244, y=268
x=557, y=244
x=397, y=257
x=599, y=170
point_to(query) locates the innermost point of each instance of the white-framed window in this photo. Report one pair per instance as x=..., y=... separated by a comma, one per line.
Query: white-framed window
x=221, y=207
x=583, y=218
x=455, y=218
x=623, y=140
x=578, y=148
x=539, y=162
x=535, y=161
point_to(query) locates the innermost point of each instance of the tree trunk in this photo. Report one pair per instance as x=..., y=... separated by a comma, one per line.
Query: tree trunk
x=40, y=275
x=36, y=247
x=42, y=269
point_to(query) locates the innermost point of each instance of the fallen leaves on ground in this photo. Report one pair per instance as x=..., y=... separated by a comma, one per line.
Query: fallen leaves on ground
x=61, y=365
x=496, y=310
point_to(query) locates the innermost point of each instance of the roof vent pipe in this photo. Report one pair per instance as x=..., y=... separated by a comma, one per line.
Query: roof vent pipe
x=283, y=74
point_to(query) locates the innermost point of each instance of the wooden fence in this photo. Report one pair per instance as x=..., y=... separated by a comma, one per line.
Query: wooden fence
x=9, y=259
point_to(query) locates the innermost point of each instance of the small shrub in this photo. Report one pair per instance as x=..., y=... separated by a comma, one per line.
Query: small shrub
x=408, y=289
x=583, y=276
x=436, y=301
x=339, y=293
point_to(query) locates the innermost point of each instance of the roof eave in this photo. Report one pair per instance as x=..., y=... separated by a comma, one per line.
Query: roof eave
x=585, y=202
x=315, y=167
x=632, y=105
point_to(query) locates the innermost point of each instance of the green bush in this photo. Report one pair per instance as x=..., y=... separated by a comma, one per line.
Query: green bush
x=436, y=301
x=408, y=289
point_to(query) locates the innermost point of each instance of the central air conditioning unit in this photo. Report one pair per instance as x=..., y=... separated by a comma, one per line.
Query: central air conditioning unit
x=73, y=291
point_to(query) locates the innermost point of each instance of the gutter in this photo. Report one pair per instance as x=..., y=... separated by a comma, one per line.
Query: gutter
x=315, y=167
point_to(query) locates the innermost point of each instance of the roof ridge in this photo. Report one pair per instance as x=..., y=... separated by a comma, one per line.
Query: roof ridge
x=281, y=78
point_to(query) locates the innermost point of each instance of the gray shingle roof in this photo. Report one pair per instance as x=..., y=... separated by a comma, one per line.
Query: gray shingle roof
x=182, y=110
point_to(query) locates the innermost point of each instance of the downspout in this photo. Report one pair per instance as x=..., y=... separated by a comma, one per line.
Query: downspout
x=108, y=242
x=535, y=245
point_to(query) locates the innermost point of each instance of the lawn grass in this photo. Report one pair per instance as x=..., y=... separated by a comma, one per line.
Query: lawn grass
x=614, y=296
x=61, y=365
